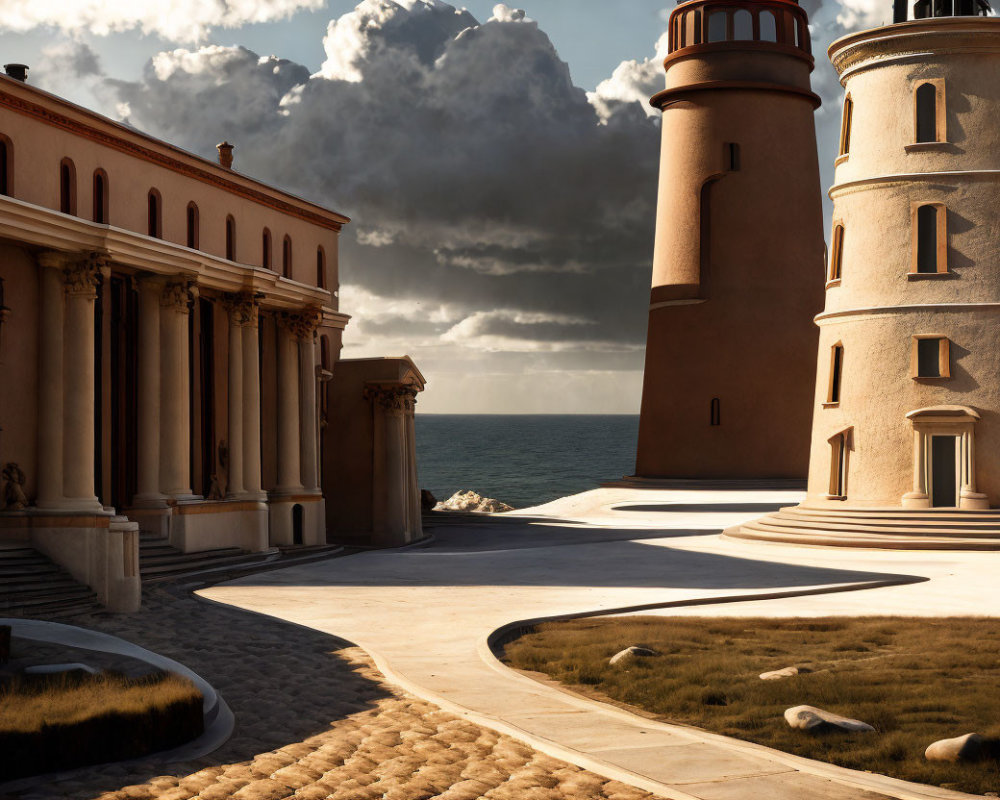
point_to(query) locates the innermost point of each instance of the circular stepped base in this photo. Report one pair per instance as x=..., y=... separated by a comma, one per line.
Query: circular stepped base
x=886, y=528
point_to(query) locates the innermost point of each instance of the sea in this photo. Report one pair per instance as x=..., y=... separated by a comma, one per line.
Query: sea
x=523, y=460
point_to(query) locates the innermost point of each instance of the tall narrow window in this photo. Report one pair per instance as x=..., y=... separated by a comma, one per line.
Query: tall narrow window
x=193, y=226
x=742, y=25
x=155, y=215
x=265, y=246
x=732, y=157
x=320, y=268
x=926, y=100
x=931, y=357
x=230, y=238
x=845, y=126
x=715, y=412
x=768, y=27
x=836, y=374
x=930, y=239
x=838, y=466
x=6, y=166
x=101, y=197
x=837, y=253
x=67, y=187
x=286, y=258
x=717, y=22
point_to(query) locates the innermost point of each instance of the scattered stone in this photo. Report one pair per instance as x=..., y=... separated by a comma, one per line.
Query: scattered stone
x=816, y=720
x=630, y=654
x=787, y=672
x=962, y=748
x=470, y=501
x=427, y=500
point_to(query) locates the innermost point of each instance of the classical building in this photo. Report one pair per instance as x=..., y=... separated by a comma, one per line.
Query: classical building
x=739, y=248
x=906, y=434
x=169, y=330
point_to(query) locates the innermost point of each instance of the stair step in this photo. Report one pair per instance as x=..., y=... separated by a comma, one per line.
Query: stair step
x=178, y=557
x=180, y=568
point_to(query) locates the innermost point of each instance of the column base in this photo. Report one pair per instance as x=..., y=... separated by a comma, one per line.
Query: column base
x=88, y=505
x=285, y=492
x=916, y=500
x=150, y=501
x=247, y=497
x=973, y=500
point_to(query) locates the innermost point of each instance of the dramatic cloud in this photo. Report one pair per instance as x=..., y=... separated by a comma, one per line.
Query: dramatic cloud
x=177, y=20
x=503, y=217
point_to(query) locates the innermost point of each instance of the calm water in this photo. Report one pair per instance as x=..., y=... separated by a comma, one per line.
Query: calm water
x=522, y=460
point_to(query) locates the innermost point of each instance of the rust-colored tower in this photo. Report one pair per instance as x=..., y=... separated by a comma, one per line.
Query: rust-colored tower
x=738, y=266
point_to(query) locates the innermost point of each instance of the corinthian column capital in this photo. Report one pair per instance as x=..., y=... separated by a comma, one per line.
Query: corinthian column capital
x=243, y=308
x=83, y=275
x=392, y=398
x=301, y=324
x=178, y=295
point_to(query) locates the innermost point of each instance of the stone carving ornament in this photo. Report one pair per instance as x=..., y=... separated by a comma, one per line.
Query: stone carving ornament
x=178, y=295
x=243, y=309
x=83, y=275
x=301, y=324
x=13, y=497
x=393, y=398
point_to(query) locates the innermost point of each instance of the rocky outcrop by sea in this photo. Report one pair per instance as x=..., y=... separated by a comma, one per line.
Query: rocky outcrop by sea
x=470, y=501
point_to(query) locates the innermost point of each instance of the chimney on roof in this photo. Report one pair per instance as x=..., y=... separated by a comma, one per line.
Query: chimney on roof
x=19, y=72
x=225, y=154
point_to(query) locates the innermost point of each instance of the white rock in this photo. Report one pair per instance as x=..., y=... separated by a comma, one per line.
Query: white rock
x=816, y=720
x=778, y=674
x=470, y=501
x=630, y=653
x=962, y=748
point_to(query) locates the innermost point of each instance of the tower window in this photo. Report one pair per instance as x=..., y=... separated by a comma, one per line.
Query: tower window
x=286, y=258
x=845, y=126
x=743, y=25
x=716, y=412
x=230, y=238
x=836, y=374
x=67, y=187
x=100, y=197
x=265, y=244
x=320, y=268
x=6, y=166
x=931, y=356
x=768, y=27
x=930, y=239
x=732, y=157
x=929, y=119
x=837, y=253
x=155, y=214
x=717, y=24
x=838, y=466
x=193, y=226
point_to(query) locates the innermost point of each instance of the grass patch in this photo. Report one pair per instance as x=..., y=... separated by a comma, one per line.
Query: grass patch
x=55, y=722
x=914, y=680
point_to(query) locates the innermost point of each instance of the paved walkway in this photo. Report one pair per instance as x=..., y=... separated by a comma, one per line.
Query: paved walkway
x=425, y=616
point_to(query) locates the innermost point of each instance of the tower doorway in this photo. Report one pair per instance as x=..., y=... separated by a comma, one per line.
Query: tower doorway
x=944, y=471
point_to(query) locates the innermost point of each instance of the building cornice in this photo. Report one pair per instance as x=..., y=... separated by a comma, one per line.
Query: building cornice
x=904, y=309
x=848, y=187
x=86, y=124
x=662, y=99
x=27, y=224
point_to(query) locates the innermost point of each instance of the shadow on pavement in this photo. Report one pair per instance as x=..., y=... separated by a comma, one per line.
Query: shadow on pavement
x=717, y=508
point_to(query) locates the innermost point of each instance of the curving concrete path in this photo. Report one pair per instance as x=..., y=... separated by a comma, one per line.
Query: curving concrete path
x=426, y=616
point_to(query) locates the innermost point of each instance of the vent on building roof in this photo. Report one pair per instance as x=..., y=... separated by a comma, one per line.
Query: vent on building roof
x=18, y=72
x=225, y=154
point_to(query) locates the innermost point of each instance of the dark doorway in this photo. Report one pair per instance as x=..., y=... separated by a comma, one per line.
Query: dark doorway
x=944, y=477
x=123, y=391
x=298, y=524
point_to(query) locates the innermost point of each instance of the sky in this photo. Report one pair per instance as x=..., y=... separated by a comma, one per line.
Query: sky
x=499, y=163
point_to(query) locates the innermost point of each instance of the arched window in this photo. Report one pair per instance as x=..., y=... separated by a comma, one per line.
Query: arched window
x=324, y=352
x=715, y=412
x=265, y=248
x=836, y=374
x=155, y=215
x=101, y=197
x=320, y=268
x=717, y=23
x=926, y=99
x=930, y=243
x=286, y=258
x=230, y=238
x=768, y=27
x=6, y=166
x=67, y=187
x=837, y=253
x=838, y=465
x=845, y=126
x=742, y=25
x=193, y=226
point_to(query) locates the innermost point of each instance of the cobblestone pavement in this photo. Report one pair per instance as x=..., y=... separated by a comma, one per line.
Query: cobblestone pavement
x=314, y=719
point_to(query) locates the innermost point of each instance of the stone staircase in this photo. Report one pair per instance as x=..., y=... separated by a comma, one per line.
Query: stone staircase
x=158, y=561
x=887, y=529
x=31, y=585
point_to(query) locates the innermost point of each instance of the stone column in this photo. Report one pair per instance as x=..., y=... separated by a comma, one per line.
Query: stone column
x=78, y=397
x=148, y=478
x=175, y=404
x=395, y=404
x=309, y=451
x=289, y=459
x=918, y=498
x=251, y=403
x=50, y=380
x=234, y=486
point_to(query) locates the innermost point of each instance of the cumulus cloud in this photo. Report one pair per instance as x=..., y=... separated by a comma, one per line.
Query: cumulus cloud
x=175, y=20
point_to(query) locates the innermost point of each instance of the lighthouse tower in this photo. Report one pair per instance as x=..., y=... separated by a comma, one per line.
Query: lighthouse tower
x=906, y=433
x=738, y=264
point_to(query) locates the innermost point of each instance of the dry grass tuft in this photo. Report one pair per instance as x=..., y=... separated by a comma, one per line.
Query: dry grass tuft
x=914, y=680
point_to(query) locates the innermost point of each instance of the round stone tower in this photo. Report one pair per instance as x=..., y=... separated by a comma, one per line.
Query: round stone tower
x=738, y=264
x=906, y=432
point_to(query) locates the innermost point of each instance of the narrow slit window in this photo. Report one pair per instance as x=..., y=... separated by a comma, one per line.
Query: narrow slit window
x=155, y=214
x=230, y=238
x=838, y=466
x=100, y=197
x=733, y=157
x=836, y=374
x=286, y=258
x=837, y=254
x=931, y=238
x=67, y=187
x=265, y=244
x=927, y=113
x=193, y=226
x=716, y=412
x=6, y=159
x=320, y=268
x=845, y=126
